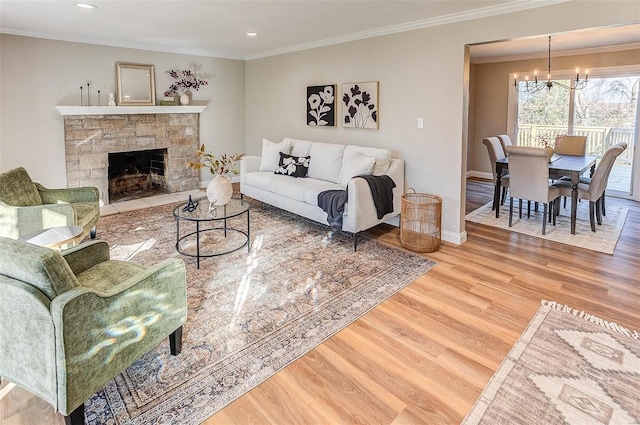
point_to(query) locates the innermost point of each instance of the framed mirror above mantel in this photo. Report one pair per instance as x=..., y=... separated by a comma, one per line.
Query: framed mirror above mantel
x=129, y=110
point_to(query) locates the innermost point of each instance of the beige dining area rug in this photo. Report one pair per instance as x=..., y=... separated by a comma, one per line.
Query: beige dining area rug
x=568, y=367
x=604, y=239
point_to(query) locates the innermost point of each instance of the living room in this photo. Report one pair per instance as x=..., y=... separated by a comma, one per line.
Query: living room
x=422, y=73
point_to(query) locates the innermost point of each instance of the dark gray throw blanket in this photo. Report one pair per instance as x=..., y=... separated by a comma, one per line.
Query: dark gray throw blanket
x=332, y=201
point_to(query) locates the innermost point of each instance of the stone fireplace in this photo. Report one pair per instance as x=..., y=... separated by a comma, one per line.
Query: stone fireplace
x=90, y=139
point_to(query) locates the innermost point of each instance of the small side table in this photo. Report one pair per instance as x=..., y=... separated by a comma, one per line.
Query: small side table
x=54, y=237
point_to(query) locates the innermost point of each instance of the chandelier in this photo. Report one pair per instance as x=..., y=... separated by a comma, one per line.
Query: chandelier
x=535, y=85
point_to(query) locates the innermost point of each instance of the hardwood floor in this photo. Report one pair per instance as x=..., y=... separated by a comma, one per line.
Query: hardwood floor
x=424, y=355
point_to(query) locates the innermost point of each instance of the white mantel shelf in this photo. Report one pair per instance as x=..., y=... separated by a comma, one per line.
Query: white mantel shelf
x=129, y=110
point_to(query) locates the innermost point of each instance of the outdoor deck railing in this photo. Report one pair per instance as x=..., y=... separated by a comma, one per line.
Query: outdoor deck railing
x=599, y=139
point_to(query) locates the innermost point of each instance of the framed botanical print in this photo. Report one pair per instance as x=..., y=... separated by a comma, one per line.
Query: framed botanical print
x=360, y=105
x=321, y=110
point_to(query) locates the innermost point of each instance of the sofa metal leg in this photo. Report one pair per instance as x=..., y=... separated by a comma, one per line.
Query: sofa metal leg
x=355, y=241
x=93, y=232
x=76, y=417
x=175, y=341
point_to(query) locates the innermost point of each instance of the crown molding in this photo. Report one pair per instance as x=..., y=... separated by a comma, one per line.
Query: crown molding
x=561, y=53
x=501, y=9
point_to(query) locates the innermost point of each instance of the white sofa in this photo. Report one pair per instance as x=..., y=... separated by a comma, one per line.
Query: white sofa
x=330, y=166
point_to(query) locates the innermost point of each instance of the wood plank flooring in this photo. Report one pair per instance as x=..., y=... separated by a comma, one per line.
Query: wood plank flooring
x=424, y=355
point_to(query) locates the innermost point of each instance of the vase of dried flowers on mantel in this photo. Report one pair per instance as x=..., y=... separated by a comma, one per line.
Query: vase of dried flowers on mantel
x=186, y=80
x=219, y=189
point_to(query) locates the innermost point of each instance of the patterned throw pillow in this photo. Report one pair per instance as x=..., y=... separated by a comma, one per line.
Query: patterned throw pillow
x=294, y=166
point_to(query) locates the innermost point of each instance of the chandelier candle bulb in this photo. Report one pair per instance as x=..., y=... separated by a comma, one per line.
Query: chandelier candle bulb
x=535, y=86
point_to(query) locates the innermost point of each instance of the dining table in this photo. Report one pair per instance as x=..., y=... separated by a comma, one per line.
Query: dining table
x=559, y=166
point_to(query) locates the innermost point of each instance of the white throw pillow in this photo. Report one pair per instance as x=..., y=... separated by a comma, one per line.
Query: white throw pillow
x=357, y=165
x=382, y=157
x=326, y=161
x=271, y=154
x=299, y=147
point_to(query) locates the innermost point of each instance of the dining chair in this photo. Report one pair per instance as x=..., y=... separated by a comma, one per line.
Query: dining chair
x=595, y=189
x=494, y=147
x=587, y=180
x=505, y=141
x=571, y=145
x=529, y=179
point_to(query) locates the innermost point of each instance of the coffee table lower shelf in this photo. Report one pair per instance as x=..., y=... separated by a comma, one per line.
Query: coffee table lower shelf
x=198, y=255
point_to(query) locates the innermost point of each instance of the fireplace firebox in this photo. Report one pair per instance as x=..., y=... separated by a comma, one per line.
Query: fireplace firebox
x=137, y=174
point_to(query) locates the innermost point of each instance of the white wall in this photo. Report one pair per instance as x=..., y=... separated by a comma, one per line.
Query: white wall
x=421, y=74
x=36, y=75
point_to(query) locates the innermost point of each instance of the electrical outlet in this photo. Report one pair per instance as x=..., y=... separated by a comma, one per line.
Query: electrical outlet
x=420, y=122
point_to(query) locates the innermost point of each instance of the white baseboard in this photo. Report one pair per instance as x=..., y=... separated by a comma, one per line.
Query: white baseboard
x=454, y=238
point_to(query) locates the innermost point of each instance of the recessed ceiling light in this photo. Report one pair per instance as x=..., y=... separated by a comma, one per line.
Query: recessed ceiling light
x=87, y=5
x=252, y=34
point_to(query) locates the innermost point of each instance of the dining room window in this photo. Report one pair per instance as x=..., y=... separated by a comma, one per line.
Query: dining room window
x=605, y=111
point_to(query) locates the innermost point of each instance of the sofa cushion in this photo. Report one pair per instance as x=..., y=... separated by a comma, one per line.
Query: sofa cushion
x=294, y=166
x=262, y=179
x=312, y=190
x=326, y=161
x=356, y=165
x=382, y=157
x=107, y=274
x=299, y=147
x=271, y=154
x=303, y=190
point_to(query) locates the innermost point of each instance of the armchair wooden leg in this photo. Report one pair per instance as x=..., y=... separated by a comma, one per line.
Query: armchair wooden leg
x=175, y=341
x=504, y=195
x=544, y=221
x=598, y=212
x=528, y=209
x=76, y=417
x=93, y=232
x=592, y=214
x=604, y=211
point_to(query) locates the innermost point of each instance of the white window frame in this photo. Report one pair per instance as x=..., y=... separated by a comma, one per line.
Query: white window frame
x=611, y=71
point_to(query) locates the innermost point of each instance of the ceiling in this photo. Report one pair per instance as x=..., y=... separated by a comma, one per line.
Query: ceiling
x=219, y=28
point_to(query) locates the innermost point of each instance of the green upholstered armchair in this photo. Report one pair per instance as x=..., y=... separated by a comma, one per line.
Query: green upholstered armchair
x=26, y=207
x=73, y=320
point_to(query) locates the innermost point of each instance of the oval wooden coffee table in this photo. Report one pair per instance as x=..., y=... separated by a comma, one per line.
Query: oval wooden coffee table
x=54, y=237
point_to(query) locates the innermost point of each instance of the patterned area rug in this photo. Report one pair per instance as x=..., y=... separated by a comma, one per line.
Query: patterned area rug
x=566, y=368
x=604, y=239
x=250, y=314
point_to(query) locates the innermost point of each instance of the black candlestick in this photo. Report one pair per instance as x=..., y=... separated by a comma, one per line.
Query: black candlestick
x=81, y=99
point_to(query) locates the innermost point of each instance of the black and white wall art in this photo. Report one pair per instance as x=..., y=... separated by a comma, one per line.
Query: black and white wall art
x=360, y=105
x=321, y=105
